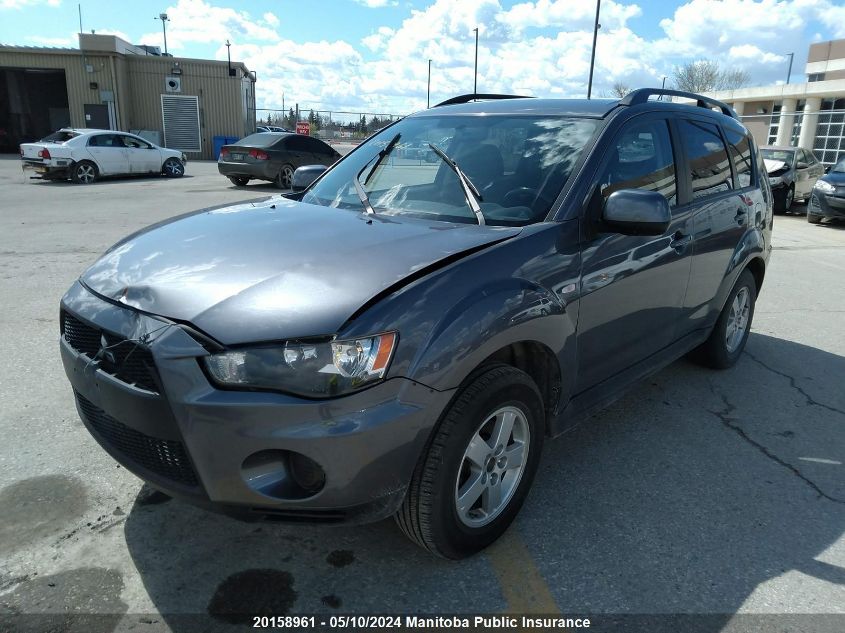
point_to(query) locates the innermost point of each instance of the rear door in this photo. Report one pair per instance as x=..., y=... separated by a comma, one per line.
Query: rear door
x=632, y=287
x=721, y=210
x=109, y=153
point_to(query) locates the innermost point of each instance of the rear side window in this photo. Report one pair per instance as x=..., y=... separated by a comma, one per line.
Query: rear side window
x=708, y=159
x=740, y=146
x=641, y=158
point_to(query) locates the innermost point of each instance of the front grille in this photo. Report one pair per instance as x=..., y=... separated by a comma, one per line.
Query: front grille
x=166, y=458
x=127, y=361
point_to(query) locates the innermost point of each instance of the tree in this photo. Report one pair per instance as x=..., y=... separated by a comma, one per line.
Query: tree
x=620, y=90
x=706, y=75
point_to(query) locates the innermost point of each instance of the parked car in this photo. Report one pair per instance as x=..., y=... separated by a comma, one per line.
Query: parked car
x=84, y=155
x=401, y=340
x=828, y=199
x=271, y=128
x=272, y=156
x=793, y=172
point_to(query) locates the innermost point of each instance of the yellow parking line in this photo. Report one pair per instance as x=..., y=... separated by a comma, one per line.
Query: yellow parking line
x=523, y=587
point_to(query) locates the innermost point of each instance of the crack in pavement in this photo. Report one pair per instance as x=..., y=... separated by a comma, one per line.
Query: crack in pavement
x=725, y=419
x=794, y=383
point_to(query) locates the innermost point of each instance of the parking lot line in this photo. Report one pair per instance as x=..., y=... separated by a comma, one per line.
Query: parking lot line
x=523, y=587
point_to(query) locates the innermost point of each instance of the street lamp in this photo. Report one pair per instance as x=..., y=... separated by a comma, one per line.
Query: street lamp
x=596, y=28
x=475, y=78
x=428, y=91
x=789, y=72
x=163, y=17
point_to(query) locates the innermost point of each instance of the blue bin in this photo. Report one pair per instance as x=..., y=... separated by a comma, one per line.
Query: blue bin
x=218, y=142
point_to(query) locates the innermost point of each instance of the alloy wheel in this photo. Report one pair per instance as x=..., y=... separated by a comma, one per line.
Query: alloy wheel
x=86, y=174
x=174, y=168
x=737, y=320
x=286, y=177
x=492, y=466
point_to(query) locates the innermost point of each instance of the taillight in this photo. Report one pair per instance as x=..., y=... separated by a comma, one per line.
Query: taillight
x=258, y=154
x=44, y=153
x=224, y=153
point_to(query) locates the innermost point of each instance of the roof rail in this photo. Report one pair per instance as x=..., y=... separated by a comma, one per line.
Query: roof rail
x=641, y=95
x=474, y=96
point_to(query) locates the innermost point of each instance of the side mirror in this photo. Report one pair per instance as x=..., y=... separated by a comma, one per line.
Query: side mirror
x=827, y=169
x=304, y=176
x=637, y=212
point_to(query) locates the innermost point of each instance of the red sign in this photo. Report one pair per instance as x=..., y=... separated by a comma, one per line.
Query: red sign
x=303, y=127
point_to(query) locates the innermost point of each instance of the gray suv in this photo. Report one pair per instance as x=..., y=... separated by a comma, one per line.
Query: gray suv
x=401, y=336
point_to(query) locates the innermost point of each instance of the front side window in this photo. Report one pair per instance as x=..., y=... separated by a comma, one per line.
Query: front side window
x=517, y=164
x=740, y=146
x=641, y=158
x=134, y=143
x=709, y=168
x=104, y=140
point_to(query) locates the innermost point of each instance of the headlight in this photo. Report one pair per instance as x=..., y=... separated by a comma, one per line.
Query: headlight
x=825, y=187
x=774, y=181
x=315, y=370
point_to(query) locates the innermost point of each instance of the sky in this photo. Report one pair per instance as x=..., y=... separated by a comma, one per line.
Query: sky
x=372, y=55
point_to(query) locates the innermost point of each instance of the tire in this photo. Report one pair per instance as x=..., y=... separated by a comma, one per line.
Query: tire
x=284, y=179
x=84, y=172
x=430, y=514
x=173, y=168
x=812, y=218
x=239, y=182
x=719, y=351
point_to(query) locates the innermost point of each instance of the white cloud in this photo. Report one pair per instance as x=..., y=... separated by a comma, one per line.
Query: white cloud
x=271, y=19
x=375, y=4
x=20, y=4
x=200, y=21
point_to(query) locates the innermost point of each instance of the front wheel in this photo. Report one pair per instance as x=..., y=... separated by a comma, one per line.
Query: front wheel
x=173, y=168
x=476, y=473
x=727, y=340
x=812, y=218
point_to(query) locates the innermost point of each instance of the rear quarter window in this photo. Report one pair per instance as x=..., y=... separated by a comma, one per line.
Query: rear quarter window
x=707, y=158
x=740, y=146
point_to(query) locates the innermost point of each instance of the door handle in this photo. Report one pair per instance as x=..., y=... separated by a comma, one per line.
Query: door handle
x=739, y=218
x=680, y=241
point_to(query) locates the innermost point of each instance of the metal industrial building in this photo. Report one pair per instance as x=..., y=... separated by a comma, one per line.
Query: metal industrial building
x=810, y=114
x=108, y=83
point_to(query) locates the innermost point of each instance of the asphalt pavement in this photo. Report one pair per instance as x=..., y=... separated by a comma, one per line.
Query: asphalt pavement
x=698, y=492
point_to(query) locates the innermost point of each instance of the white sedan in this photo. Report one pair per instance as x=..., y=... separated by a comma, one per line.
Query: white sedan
x=83, y=155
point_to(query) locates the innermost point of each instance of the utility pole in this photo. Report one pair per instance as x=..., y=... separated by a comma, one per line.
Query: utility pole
x=789, y=72
x=428, y=91
x=229, y=56
x=596, y=28
x=475, y=78
x=163, y=17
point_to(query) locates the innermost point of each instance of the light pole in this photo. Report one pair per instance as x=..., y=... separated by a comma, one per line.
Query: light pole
x=789, y=72
x=428, y=90
x=229, y=56
x=163, y=17
x=475, y=77
x=596, y=28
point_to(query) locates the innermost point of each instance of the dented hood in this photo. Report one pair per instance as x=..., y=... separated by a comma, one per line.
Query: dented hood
x=274, y=269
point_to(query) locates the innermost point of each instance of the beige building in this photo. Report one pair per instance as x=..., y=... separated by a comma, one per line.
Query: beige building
x=809, y=115
x=107, y=83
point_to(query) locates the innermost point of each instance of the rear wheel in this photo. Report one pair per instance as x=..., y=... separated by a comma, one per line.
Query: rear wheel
x=173, y=168
x=284, y=180
x=476, y=473
x=238, y=181
x=727, y=340
x=84, y=172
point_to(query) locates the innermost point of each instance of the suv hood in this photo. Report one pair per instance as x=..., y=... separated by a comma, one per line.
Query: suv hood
x=273, y=269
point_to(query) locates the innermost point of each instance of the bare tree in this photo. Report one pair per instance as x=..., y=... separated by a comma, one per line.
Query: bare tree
x=706, y=75
x=620, y=90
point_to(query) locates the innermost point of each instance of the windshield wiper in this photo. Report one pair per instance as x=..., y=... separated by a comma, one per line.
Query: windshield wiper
x=359, y=189
x=470, y=191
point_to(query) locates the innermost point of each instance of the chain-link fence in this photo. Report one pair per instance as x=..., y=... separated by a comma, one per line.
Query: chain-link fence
x=328, y=124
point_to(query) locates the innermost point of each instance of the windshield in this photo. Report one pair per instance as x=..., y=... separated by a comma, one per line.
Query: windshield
x=518, y=164
x=779, y=154
x=61, y=136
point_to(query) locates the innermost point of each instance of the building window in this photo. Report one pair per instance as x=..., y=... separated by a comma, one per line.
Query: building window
x=774, y=123
x=815, y=77
x=829, y=145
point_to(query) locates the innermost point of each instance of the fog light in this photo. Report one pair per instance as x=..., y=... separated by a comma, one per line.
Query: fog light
x=307, y=473
x=283, y=475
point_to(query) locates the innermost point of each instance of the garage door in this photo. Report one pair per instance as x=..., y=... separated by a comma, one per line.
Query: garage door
x=181, y=118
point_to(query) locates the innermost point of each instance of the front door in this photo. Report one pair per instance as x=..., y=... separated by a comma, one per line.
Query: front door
x=632, y=287
x=108, y=152
x=143, y=157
